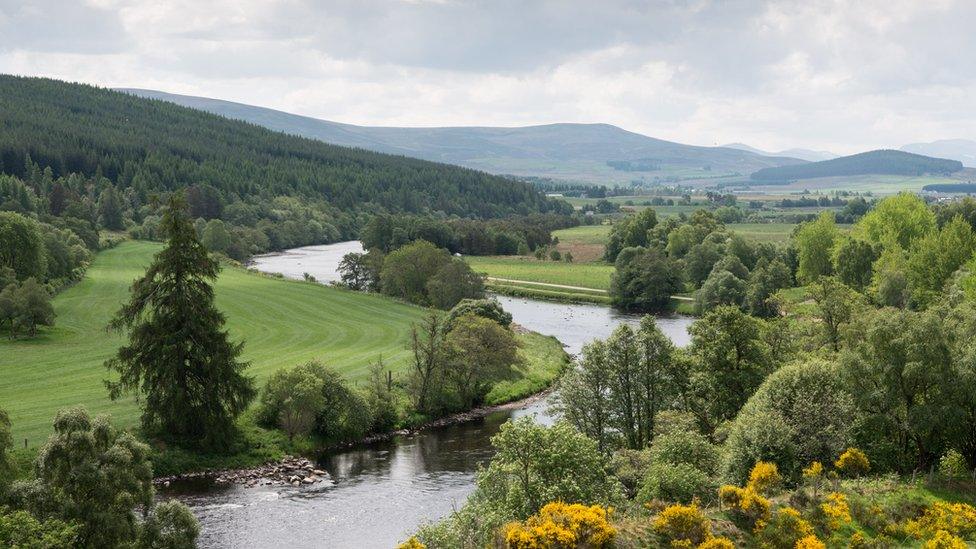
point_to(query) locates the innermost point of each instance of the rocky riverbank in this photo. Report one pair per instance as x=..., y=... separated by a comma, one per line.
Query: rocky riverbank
x=294, y=471
x=299, y=471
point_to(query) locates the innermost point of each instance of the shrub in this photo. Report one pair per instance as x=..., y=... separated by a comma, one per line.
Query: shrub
x=682, y=525
x=810, y=542
x=745, y=504
x=953, y=467
x=716, y=543
x=675, y=482
x=853, y=463
x=487, y=308
x=836, y=511
x=412, y=543
x=764, y=477
x=784, y=530
x=944, y=540
x=561, y=525
x=685, y=447
x=958, y=519
x=801, y=413
x=630, y=467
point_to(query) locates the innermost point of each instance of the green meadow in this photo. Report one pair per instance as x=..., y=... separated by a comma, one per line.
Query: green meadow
x=585, y=275
x=282, y=322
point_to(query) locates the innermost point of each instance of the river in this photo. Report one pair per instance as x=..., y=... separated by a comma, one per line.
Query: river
x=382, y=492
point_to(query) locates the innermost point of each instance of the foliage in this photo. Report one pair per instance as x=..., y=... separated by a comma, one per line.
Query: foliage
x=937, y=255
x=721, y=288
x=764, y=281
x=953, y=466
x=958, y=519
x=688, y=447
x=535, y=464
x=836, y=510
x=412, y=543
x=675, y=482
x=21, y=247
x=815, y=242
x=784, y=530
x=21, y=530
x=293, y=398
x=945, y=540
x=424, y=274
x=904, y=377
x=619, y=386
x=836, y=305
x=682, y=526
x=801, y=413
x=171, y=525
x=644, y=280
x=897, y=220
x=481, y=353
x=361, y=272
x=178, y=354
x=485, y=308
x=6, y=444
x=746, y=504
x=853, y=463
x=764, y=477
x=25, y=305
x=730, y=360
x=853, y=262
x=629, y=232
x=561, y=525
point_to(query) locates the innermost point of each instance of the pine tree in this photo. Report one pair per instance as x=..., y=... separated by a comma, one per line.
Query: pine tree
x=179, y=356
x=110, y=210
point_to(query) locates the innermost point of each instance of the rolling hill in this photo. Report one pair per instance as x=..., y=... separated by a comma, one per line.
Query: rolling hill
x=566, y=151
x=803, y=154
x=963, y=150
x=156, y=147
x=880, y=162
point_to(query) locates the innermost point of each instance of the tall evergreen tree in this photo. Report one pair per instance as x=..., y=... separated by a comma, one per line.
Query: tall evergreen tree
x=178, y=353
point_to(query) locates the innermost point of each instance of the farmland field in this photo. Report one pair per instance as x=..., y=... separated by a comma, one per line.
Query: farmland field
x=586, y=275
x=283, y=323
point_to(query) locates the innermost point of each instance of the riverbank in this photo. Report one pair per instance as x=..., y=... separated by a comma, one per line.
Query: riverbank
x=284, y=470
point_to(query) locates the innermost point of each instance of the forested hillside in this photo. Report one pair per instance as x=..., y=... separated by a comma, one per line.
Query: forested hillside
x=69, y=143
x=887, y=162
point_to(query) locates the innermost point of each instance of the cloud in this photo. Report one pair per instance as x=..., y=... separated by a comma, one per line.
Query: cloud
x=777, y=74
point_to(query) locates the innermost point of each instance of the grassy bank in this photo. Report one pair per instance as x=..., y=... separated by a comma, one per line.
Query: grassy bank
x=595, y=276
x=282, y=322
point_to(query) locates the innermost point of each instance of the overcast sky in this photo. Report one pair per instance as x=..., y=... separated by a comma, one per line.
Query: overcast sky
x=838, y=75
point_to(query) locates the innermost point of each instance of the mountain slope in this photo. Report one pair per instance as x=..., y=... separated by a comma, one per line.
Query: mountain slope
x=885, y=162
x=963, y=150
x=543, y=151
x=155, y=147
x=803, y=154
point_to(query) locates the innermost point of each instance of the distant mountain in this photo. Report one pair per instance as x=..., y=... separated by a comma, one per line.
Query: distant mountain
x=589, y=151
x=803, y=154
x=884, y=162
x=963, y=150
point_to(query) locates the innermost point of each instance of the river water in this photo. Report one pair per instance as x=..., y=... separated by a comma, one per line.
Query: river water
x=382, y=492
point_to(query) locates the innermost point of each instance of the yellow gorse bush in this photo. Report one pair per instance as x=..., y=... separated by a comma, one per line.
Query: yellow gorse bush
x=957, y=519
x=764, y=477
x=717, y=542
x=837, y=511
x=685, y=524
x=815, y=470
x=810, y=542
x=412, y=543
x=563, y=526
x=785, y=529
x=853, y=462
x=944, y=540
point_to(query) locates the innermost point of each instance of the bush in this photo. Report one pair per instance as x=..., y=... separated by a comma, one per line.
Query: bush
x=745, y=504
x=764, y=477
x=801, y=413
x=958, y=519
x=630, y=467
x=682, y=525
x=953, y=467
x=836, y=511
x=783, y=530
x=485, y=308
x=561, y=525
x=675, y=482
x=686, y=447
x=853, y=463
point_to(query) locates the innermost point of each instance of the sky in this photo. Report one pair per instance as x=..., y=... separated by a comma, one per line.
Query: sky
x=835, y=75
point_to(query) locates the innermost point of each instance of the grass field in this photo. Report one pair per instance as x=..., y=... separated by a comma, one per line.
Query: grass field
x=283, y=323
x=586, y=275
x=585, y=242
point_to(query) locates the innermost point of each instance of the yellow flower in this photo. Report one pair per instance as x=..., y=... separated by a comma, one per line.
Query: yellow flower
x=957, y=519
x=814, y=470
x=412, y=543
x=853, y=463
x=717, y=543
x=944, y=540
x=837, y=510
x=683, y=523
x=763, y=477
x=810, y=542
x=562, y=525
